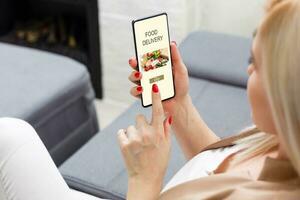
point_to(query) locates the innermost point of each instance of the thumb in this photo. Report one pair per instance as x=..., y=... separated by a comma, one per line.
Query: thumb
x=167, y=126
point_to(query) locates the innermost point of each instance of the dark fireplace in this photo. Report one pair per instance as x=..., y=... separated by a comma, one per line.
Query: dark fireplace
x=67, y=27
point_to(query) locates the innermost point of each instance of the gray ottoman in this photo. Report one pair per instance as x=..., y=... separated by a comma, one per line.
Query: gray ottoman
x=53, y=93
x=217, y=87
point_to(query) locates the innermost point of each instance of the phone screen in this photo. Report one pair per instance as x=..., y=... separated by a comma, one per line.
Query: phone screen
x=152, y=46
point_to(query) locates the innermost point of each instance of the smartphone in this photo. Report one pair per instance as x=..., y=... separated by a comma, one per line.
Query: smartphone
x=152, y=49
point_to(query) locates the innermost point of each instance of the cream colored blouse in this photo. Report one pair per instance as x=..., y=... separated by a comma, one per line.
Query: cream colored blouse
x=277, y=180
x=202, y=165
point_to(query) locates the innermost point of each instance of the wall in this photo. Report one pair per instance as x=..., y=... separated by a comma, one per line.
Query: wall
x=237, y=17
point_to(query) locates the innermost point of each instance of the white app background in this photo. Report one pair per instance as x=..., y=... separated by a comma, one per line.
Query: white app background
x=152, y=35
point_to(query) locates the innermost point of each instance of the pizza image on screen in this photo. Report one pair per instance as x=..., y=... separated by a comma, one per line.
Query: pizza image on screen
x=154, y=59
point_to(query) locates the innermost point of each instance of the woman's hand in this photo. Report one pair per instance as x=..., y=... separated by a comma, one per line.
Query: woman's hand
x=181, y=81
x=146, y=151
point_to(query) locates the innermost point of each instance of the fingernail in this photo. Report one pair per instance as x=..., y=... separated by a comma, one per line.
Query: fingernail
x=170, y=120
x=129, y=61
x=174, y=42
x=137, y=74
x=155, y=88
x=139, y=88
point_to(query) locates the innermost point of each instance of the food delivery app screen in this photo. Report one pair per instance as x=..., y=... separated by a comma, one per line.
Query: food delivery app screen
x=153, y=55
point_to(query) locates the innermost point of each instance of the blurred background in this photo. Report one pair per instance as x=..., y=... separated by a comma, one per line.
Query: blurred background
x=76, y=28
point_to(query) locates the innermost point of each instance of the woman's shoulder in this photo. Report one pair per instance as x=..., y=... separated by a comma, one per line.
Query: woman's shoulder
x=229, y=141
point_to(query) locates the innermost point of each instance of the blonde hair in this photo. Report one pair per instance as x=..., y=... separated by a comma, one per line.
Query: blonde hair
x=279, y=35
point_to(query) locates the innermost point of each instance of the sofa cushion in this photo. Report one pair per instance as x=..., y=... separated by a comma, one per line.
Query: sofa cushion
x=53, y=93
x=98, y=168
x=217, y=57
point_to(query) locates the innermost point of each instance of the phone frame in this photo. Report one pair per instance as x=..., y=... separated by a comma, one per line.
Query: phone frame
x=136, y=53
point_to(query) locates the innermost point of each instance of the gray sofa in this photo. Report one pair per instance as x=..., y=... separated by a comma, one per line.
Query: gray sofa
x=217, y=68
x=53, y=93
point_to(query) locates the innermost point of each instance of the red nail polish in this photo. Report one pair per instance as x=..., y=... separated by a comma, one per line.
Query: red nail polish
x=139, y=88
x=137, y=74
x=155, y=88
x=174, y=43
x=170, y=120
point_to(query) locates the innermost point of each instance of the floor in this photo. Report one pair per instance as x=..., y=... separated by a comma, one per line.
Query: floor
x=108, y=110
x=231, y=16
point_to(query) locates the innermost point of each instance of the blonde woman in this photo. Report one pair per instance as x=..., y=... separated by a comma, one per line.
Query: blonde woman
x=263, y=162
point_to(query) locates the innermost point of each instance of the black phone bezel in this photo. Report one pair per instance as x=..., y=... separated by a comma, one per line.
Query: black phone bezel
x=136, y=54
